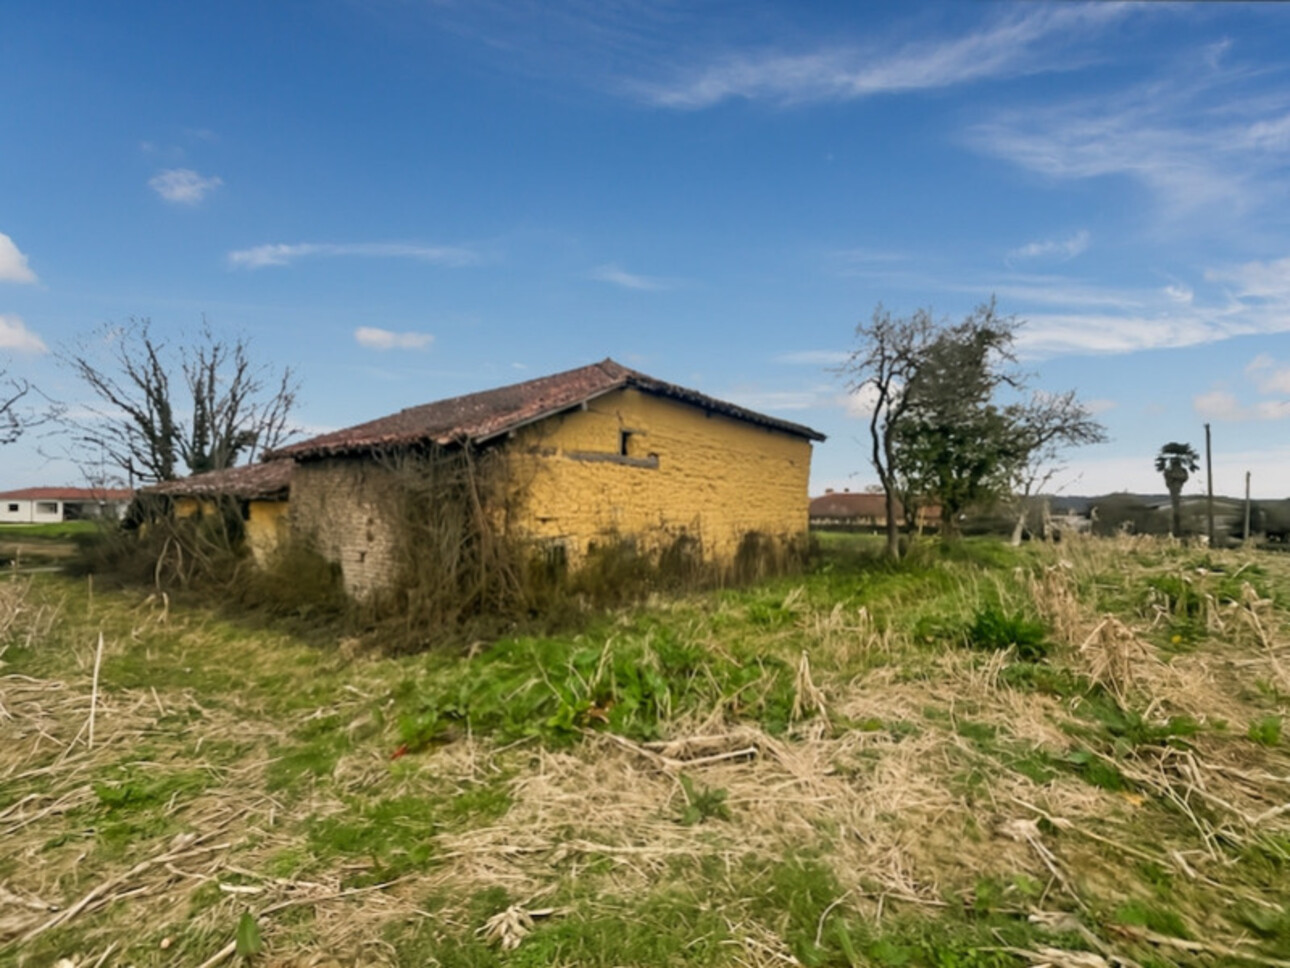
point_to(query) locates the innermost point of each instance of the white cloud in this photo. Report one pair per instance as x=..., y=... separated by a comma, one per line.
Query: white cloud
x=1268, y=376
x=1257, y=280
x=1222, y=405
x=183, y=186
x=384, y=339
x=1051, y=334
x=1063, y=250
x=1014, y=45
x=615, y=274
x=14, y=335
x=1217, y=405
x=279, y=254
x=860, y=403
x=1254, y=300
x=816, y=357
x=13, y=264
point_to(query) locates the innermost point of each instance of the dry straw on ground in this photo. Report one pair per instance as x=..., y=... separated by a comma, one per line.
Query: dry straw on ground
x=866, y=780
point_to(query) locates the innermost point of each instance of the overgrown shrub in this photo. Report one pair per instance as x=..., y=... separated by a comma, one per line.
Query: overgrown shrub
x=296, y=581
x=994, y=628
x=155, y=547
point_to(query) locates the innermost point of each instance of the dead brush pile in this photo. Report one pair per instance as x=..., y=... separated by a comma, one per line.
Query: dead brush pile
x=828, y=771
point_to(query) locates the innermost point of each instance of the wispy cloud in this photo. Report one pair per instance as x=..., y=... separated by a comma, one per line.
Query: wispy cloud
x=1268, y=375
x=1254, y=299
x=775, y=399
x=1206, y=144
x=13, y=264
x=14, y=335
x=1060, y=250
x=815, y=357
x=618, y=276
x=1067, y=315
x=1222, y=405
x=1268, y=281
x=183, y=186
x=384, y=339
x=1019, y=43
x=261, y=256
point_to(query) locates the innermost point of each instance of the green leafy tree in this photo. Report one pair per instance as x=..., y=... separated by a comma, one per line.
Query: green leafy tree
x=955, y=444
x=1177, y=462
x=937, y=430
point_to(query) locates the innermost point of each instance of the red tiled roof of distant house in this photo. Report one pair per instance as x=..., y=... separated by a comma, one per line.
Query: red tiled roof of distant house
x=479, y=417
x=67, y=494
x=842, y=505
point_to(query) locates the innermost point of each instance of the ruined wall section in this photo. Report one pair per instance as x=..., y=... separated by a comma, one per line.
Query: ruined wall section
x=632, y=464
x=345, y=508
x=265, y=523
x=266, y=529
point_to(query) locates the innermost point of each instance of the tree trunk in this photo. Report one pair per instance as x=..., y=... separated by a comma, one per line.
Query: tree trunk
x=893, y=526
x=1019, y=527
x=1175, y=498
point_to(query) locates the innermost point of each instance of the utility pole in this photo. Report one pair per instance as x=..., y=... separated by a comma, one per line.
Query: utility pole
x=1247, y=507
x=1209, y=474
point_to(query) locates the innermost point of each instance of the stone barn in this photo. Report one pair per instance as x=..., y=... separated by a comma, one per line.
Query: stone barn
x=594, y=455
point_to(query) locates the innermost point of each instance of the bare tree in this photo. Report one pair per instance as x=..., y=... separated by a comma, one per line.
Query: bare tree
x=1045, y=426
x=13, y=421
x=160, y=412
x=890, y=353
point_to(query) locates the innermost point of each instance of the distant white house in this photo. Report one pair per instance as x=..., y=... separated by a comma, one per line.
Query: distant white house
x=44, y=505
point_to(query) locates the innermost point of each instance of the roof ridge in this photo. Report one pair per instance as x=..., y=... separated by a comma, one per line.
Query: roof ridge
x=483, y=415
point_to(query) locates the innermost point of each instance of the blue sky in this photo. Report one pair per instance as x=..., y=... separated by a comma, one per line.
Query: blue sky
x=406, y=200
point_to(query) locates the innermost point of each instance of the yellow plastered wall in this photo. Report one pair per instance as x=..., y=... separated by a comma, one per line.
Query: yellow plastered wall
x=686, y=471
x=186, y=507
x=266, y=528
x=265, y=525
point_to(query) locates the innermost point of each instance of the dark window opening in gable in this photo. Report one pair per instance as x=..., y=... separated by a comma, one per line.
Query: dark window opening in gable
x=624, y=443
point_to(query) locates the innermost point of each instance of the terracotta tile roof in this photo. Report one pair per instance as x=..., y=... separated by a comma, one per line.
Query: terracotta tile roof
x=846, y=504
x=859, y=504
x=478, y=417
x=255, y=482
x=67, y=494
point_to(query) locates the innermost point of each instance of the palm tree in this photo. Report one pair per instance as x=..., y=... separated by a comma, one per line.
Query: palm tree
x=1177, y=462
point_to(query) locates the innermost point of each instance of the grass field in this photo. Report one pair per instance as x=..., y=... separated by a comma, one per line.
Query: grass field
x=55, y=531
x=1070, y=755
x=39, y=545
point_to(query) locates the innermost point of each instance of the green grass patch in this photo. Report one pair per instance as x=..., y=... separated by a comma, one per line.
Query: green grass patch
x=1266, y=731
x=52, y=531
